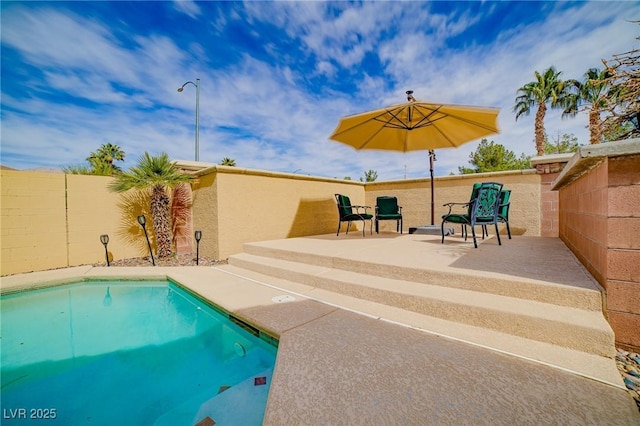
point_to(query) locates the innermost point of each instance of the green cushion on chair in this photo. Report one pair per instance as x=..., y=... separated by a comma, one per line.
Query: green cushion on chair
x=353, y=217
x=457, y=218
x=389, y=216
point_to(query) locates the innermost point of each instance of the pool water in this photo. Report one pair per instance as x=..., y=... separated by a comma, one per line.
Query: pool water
x=128, y=353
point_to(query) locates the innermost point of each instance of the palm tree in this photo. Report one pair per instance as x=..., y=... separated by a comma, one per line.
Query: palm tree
x=547, y=88
x=226, y=161
x=158, y=175
x=106, y=155
x=594, y=91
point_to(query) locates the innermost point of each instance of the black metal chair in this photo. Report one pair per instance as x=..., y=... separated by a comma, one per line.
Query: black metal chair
x=346, y=214
x=481, y=210
x=387, y=208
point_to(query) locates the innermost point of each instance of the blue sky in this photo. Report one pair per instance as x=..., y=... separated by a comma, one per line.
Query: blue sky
x=277, y=76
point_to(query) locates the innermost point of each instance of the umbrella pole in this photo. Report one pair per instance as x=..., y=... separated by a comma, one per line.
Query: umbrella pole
x=432, y=156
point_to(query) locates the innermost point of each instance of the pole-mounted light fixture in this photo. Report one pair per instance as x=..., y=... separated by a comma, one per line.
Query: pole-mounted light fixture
x=104, y=239
x=197, y=85
x=198, y=237
x=143, y=222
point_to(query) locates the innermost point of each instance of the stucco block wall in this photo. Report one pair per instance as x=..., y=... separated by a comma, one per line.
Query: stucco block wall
x=415, y=198
x=549, y=207
x=258, y=206
x=33, y=225
x=205, y=214
x=93, y=210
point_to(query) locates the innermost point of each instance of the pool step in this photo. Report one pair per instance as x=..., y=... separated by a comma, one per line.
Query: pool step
x=242, y=404
x=573, y=328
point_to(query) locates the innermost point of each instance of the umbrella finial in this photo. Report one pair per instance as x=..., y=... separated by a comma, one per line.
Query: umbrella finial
x=410, y=97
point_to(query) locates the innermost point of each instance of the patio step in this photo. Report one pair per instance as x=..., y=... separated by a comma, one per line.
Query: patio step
x=478, y=281
x=580, y=328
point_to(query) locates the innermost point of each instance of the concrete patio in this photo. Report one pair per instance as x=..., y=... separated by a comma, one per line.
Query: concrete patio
x=400, y=329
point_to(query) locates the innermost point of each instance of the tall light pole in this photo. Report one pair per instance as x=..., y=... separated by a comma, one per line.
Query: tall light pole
x=197, y=84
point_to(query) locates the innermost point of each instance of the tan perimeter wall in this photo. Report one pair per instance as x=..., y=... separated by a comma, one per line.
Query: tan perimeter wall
x=51, y=220
x=415, y=198
x=55, y=220
x=240, y=205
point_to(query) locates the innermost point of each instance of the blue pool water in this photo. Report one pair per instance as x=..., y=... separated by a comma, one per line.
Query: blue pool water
x=128, y=353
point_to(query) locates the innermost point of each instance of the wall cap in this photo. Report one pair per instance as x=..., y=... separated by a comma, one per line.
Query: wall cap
x=201, y=169
x=552, y=158
x=589, y=156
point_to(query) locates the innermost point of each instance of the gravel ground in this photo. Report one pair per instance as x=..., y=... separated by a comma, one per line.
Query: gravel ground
x=629, y=367
x=175, y=260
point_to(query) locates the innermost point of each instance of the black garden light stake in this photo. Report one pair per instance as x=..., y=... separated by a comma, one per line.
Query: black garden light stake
x=104, y=239
x=198, y=236
x=143, y=222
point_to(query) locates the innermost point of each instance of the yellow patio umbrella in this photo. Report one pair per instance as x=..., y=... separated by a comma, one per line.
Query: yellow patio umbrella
x=417, y=126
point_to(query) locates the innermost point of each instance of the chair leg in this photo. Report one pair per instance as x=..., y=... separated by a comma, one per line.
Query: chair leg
x=377, y=227
x=339, y=223
x=473, y=232
x=401, y=225
x=508, y=230
x=348, y=226
x=498, y=234
x=442, y=231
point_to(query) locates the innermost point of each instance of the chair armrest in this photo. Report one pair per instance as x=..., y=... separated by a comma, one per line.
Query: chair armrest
x=361, y=207
x=451, y=205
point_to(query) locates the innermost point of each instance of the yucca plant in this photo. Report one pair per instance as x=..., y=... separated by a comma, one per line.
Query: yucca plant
x=158, y=175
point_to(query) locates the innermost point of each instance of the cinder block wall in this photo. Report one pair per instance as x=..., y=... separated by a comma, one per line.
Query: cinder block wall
x=600, y=223
x=51, y=220
x=34, y=222
x=623, y=254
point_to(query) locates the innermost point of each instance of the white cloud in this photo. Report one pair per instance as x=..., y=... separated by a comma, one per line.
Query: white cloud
x=262, y=110
x=188, y=7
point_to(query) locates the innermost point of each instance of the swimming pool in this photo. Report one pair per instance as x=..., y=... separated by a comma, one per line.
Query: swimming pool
x=129, y=353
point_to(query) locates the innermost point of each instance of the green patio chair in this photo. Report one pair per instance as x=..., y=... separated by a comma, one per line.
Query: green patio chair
x=482, y=210
x=503, y=210
x=474, y=194
x=346, y=214
x=387, y=208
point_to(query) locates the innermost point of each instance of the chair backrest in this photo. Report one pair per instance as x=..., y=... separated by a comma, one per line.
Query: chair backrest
x=503, y=211
x=474, y=194
x=344, y=205
x=387, y=205
x=487, y=202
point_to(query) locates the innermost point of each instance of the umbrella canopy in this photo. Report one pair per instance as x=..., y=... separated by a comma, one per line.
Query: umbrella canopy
x=415, y=126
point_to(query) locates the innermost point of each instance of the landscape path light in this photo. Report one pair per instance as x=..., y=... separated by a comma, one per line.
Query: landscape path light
x=197, y=85
x=104, y=239
x=198, y=237
x=143, y=222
